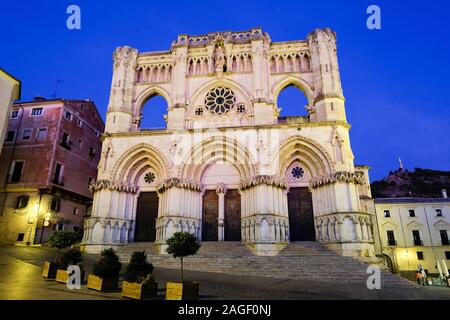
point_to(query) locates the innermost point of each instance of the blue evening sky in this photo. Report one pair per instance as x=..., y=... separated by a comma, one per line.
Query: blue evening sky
x=396, y=80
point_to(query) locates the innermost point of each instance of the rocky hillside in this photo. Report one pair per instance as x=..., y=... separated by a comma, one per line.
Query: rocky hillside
x=423, y=183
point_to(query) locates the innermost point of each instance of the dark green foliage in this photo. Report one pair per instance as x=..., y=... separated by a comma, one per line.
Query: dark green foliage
x=71, y=257
x=139, y=268
x=182, y=244
x=61, y=240
x=108, y=266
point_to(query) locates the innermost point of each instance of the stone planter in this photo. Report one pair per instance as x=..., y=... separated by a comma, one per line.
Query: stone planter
x=139, y=291
x=182, y=291
x=49, y=270
x=99, y=284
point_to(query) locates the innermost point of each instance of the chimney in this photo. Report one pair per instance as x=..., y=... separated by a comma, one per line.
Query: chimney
x=444, y=193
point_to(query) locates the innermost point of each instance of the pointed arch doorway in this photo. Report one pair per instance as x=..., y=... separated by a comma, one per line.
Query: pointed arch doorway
x=301, y=217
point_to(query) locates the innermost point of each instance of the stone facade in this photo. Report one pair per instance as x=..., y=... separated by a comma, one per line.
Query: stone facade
x=49, y=158
x=9, y=91
x=413, y=232
x=224, y=134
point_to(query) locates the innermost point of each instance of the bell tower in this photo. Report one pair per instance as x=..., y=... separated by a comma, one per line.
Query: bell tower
x=119, y=117
x=328, y=96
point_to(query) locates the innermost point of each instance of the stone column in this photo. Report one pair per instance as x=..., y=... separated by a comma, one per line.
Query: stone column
x=221, y=190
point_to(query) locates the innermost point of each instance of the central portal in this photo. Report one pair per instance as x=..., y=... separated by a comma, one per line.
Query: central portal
x=232, y=216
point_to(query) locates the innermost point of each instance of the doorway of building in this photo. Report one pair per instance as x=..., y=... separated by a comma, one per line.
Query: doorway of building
x=210, y=216
x=301, y=217
x=146, y=214
x=232, y=215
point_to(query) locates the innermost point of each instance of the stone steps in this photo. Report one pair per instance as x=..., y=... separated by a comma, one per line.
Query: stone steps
x=299, y=261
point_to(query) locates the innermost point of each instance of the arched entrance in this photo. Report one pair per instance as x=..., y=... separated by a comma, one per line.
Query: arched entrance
x=146, y=214
x=301, y=217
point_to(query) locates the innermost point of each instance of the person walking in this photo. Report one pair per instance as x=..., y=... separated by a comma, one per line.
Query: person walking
x=424, y=277
x=419, y=277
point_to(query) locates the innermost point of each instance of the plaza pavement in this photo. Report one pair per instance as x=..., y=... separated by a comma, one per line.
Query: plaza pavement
x=21, y=269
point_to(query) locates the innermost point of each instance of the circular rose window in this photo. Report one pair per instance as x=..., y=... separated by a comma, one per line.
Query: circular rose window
x=297, y=172
x=149, y=177
x=220, y=100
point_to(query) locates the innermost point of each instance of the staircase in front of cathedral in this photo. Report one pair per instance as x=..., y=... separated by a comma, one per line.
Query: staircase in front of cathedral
x=298, y=260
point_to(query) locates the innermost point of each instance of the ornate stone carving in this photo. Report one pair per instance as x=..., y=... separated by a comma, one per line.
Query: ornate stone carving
x=179, y=183
x=264, y=179
x=219, y=54
x=341, y=176
x=107, y=184
x=221, y=189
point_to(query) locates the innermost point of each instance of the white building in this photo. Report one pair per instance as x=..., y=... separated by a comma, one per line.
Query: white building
x=227, y=168
x=413, y=232
x=9, y=91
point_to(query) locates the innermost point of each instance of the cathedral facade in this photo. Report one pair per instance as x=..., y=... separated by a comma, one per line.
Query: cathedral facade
x=227, y=167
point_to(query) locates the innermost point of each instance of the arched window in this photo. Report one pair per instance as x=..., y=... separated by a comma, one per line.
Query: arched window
x=292, y=102
x=152, y=113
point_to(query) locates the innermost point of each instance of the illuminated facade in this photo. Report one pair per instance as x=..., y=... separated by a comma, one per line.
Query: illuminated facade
x=413, y=232
x=49, y=157
x=227, y=167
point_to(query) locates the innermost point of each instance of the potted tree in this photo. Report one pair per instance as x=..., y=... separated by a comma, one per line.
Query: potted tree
x=58, y=240
x=138, y=280
x=180, y=245
x=105, y=275
x=71, y=257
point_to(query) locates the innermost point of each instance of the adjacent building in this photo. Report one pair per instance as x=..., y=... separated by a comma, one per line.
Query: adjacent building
x=49, y=158
x=227, y=167
x=10, y=89
x=415, y=232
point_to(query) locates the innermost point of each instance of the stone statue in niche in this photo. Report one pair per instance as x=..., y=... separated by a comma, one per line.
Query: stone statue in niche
x=219, y=54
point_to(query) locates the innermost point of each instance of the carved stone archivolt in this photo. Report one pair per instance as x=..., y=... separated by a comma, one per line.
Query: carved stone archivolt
x=341, y=176
x=109, y=185
x=179, y=183
x=264, y=179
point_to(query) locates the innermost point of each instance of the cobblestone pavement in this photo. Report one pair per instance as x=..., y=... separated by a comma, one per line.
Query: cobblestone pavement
x=21, y=268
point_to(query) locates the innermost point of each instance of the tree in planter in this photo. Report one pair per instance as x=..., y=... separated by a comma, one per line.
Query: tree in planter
x=182, y=244
x=106, y=272
x=138, y=269
x=71, y=257
x=61, y=240
x=108, y=266
x=138, y=280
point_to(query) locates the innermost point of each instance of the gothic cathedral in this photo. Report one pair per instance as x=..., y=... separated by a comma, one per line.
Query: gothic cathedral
x=227, y=167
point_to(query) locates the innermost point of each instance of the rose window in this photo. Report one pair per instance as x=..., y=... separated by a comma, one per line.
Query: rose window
x=220, y=100
x=149, y=177
x=297, y=172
